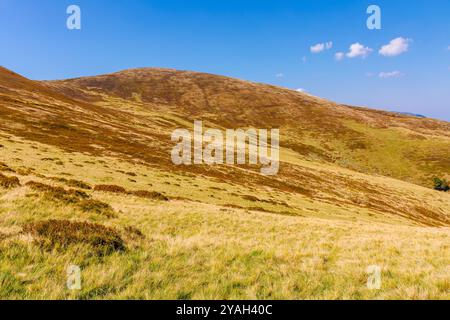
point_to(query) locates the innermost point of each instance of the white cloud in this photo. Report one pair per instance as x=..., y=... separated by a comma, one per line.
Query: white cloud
x=300, y=90
x=369, y=74
x=339, y=56
x=321, y=47
x=392, y=74
x=279, y=75
x=317, y=48
x=395, y=47
x=358, y=50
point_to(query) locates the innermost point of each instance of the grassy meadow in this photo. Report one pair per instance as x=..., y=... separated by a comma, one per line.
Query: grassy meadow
x=200, y=247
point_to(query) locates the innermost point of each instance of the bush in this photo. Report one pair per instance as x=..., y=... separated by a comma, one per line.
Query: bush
x=441, y=185
x=78, y=184
x=98, y=207
x=73, y=183
x=134, y=232
x=5, y=168
x=153, y=195
x=110, y=188
x=58, y=193
x=9, y=182
x=72, y=196
x=62, y=233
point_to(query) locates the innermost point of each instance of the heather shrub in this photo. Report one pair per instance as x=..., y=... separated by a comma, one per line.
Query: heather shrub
x=60, y=234
x=9, y=182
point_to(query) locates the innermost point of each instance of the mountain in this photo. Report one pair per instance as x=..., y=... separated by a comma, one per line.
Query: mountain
x=343, y=169
x=413, y=114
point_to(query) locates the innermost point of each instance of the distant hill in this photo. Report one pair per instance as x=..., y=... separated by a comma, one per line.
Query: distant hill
x=413, y=114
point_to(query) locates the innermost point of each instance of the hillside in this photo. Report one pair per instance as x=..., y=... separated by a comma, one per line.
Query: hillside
x=354, y=189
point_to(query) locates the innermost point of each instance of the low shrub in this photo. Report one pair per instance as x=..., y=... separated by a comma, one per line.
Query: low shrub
x=441, y=185
x=153, y=195
x=75, y=197
x=98, y=207
x=134, y=232
x=5, y=168
x=78, y=184
x=9, y=182
x=70, y=196
x=110, y=188
x=131, y=174
x=63, y=233
x=250, y=198
x=25, y=171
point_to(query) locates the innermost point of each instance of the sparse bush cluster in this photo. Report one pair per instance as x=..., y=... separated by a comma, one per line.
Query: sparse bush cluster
x=153, y=195
x=72, y=196
x=62, y=233
x=73, y=183
x=5, y=168
x=9, y=182
x=134, y=232
x=441, y=185
x=110, y=188
x=96, y=206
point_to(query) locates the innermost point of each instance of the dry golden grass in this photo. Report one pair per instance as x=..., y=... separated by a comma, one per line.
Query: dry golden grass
x=204, y=249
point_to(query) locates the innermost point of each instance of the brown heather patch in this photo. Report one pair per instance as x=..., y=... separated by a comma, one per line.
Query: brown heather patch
x=73, y=183
x=153, y=195
x=63, y=233
x=97, y=207
x=5, y=168
x=74, y=197
x=78, y=184
x=250, y=198
x=110, y=188
x=58, y=193
x=25, y=171
x=134, y=232
x=9, y=182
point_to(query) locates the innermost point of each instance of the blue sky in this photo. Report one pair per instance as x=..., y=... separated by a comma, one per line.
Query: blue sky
x=258, y=40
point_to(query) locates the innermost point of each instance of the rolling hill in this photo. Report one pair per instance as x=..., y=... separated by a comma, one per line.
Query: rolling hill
x=354, y=189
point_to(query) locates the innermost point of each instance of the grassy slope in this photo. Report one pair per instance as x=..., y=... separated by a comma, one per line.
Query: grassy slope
x=311, y=232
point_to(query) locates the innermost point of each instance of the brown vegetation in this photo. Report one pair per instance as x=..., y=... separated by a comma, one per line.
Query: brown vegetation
x=110, y=188
x=72, y=196
x=62, y=233
x=153, y=195
x=9, y=182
